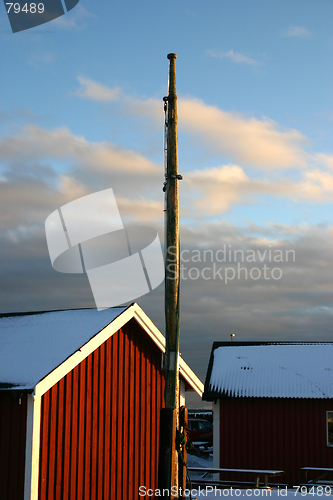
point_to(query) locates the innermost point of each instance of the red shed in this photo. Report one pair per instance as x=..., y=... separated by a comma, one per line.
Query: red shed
x=80, y=399
x=273, y=406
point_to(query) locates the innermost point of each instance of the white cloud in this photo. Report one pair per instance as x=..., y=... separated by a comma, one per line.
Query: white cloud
x=297, y=31
x=324, y=159
x=62, y=166
x=234, y=56
x=74, y=18
x=249, y=141
x=318, y=186
x=213, y=191
x=34, y=143
x=260, y=143
x=44, y=169
x=96, y=91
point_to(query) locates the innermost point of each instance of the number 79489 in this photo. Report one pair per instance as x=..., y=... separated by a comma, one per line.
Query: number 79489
x=31, y=8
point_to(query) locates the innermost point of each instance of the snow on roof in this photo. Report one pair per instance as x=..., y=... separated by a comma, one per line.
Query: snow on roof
x=31, y=346
x=289, y=370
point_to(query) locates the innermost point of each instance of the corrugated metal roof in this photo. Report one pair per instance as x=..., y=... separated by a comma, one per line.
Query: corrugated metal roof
x=281, y=370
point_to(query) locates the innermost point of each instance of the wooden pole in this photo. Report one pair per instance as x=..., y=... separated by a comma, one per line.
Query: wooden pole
x=172, y=246
x=168, y=477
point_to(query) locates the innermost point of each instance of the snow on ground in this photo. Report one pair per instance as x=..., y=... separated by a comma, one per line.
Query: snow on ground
x=195, y=461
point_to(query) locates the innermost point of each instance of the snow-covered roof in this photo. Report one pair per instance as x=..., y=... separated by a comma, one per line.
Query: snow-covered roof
x=31, y=346
x=273, y=370
x=38, y=349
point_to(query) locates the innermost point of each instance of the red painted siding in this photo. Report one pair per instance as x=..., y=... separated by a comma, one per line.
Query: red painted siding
x=100, y=423
x=272, y=433
x=13, y=419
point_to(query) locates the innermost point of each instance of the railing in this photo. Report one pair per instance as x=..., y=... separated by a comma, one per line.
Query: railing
x=257, y=475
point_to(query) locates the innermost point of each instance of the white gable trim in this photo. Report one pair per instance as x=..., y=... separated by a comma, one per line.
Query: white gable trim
x=190, y=377
x=133, y=311
x=147, y=324
x=159, y=339
x=32, y=447
x=58, y=373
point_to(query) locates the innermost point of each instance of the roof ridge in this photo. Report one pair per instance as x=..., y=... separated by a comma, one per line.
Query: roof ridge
x=32, y=313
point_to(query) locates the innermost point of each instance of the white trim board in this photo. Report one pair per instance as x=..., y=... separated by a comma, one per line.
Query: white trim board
x=32, y=448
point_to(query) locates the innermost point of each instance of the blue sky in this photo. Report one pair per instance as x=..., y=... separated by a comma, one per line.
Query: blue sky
x=81, y=110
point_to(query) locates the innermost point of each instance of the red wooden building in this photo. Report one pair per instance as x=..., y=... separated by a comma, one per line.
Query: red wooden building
x=273, y=406
x=80, y=399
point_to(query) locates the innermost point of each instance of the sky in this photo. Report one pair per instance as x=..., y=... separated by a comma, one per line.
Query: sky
x=81, y=110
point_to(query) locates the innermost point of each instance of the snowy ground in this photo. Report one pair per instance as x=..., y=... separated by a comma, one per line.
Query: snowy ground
x=194, y=461
x=211, y=492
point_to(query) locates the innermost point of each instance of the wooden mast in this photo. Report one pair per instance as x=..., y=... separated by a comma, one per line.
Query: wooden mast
x=168, y=475
x=172, y=246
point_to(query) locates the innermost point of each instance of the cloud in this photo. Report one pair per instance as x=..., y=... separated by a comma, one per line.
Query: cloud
x=34, y=143
x=45, y=57
x=140, y=108
x=318, y=186
x=249, y=141
x=234, y=56
x=260, y=143
x=43, y=169
x=297, y=31
x=296, y=307
x=47, y=168
x=96, y=91
x=63, y=166
x=74, y=19
x=324, y=159
x=215, y=190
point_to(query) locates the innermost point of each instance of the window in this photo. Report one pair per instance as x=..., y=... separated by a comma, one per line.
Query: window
x=329, y=424
x=194, y=425
x=205, y=426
